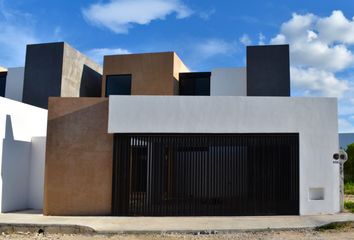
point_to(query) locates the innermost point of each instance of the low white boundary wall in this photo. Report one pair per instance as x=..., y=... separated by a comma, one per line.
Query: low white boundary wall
x=21, y=160
x=315, y=119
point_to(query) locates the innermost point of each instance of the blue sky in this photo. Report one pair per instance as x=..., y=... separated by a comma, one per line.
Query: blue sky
x=206, y=34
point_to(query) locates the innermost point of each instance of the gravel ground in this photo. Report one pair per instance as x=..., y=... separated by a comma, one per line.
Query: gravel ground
x=342, y=234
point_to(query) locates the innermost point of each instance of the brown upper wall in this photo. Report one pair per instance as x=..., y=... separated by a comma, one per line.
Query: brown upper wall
x=152, y=73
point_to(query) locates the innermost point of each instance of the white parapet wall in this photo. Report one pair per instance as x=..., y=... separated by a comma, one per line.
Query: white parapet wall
x=14, y=83
x=22, y=146
x=315, y=119
x=228, y=82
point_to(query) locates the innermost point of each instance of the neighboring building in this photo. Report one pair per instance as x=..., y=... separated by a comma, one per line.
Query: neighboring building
x=56, y=69
x=345, y=139
x=154, y=139
x=11, y=83
x=53, y=69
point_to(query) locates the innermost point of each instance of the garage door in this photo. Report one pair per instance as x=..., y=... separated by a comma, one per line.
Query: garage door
x=205, y=174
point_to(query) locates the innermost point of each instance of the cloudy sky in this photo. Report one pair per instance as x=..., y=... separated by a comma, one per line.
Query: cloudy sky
x=205, y=33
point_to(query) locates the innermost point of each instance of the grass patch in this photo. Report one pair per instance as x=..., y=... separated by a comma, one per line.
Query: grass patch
x=349, y=188
x=334, y=226
x=349, y=205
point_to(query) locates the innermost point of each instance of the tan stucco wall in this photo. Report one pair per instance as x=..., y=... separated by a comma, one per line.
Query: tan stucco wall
x=78, y=168
x=178, y=67
x=152, y=73
x=74, y=63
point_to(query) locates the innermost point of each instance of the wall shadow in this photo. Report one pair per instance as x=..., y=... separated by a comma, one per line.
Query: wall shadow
x=14, y=171
x=91, y=83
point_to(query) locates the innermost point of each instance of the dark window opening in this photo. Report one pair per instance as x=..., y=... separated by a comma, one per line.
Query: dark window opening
x=194, y=84
x=118, y=84
x=2, y=83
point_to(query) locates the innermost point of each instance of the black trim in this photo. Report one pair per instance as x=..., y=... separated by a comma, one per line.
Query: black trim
x=195, y=75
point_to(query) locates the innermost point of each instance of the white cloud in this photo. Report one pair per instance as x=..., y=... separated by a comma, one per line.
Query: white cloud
x=346, y=105
x=315, y=58
x=213, y=47
x=120, y=15
x=261, y=39
x=206, y=14
x=17, y=30
x=245, y=40
x=318, y=82
x=336, y=28
x=97, y=54
x=304, y=37
x=345, y=126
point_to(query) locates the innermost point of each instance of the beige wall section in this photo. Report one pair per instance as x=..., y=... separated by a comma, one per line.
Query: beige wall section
x=78, y=168
x=73, y=70
x=152, y=73
x=178, y=67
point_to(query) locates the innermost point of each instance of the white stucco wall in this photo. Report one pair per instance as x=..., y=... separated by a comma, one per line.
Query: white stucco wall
x=315, y=119
x=19, y=123
x=14, y=83
x=36, y=173
x=228, y=82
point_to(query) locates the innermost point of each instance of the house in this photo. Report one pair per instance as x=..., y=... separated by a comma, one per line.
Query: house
x=151, y=138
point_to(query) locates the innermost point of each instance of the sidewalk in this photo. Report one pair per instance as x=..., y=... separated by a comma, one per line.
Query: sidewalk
x=32, y=221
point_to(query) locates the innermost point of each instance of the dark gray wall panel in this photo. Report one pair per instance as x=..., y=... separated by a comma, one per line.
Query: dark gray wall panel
x=268, y=71
x=91, y=82
x=43, y=70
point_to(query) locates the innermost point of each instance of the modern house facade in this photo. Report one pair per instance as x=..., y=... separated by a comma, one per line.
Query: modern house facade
x=149, y=137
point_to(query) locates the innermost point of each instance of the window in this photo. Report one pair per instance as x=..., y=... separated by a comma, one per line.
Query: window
x=194, y=84
x=2, y=83
x=118, y=84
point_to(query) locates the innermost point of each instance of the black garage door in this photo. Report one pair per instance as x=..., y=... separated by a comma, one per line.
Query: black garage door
x=205, y=175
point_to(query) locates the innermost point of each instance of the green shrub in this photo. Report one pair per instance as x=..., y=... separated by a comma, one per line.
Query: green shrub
x=349, y=165
x=349, y=188
x=334, y=226
x=349, y=205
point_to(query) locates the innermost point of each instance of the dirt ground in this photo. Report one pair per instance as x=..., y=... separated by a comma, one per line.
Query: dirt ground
x=338, y=234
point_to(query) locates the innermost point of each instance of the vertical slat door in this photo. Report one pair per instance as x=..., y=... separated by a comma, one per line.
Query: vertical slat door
x=205, y=174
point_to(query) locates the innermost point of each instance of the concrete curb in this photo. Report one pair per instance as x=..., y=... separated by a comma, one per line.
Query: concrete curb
x=9, y=228
x=47, y=228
